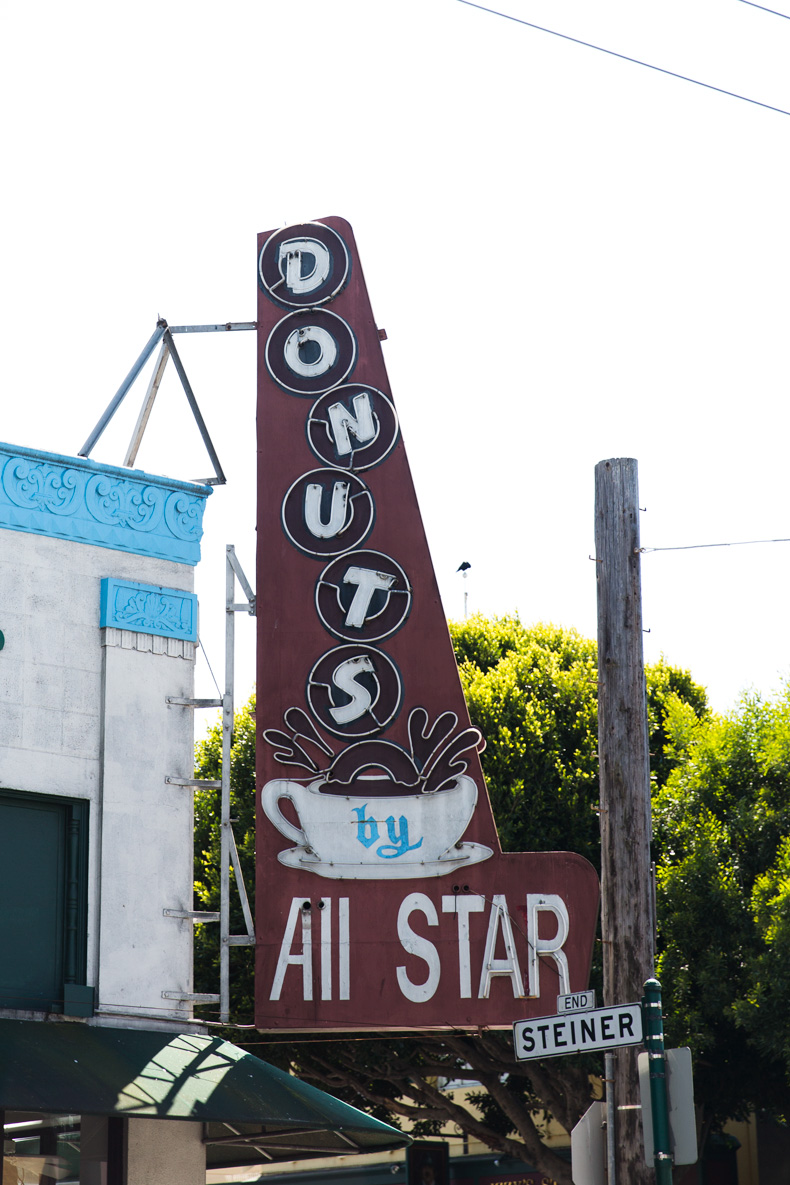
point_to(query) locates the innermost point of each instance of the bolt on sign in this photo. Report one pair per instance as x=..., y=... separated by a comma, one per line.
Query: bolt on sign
x=384, y=900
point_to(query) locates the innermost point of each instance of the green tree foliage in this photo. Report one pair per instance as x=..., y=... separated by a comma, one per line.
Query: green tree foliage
x=722, y=831
x=722, y=797
x=531, y=692
x=208, y=764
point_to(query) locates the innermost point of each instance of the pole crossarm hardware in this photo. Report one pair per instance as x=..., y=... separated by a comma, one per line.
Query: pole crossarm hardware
x=163, y=334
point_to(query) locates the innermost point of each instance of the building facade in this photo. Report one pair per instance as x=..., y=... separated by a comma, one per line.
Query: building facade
x=98, y=1044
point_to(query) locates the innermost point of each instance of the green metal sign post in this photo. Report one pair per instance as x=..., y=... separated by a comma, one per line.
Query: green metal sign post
x=659, y=1104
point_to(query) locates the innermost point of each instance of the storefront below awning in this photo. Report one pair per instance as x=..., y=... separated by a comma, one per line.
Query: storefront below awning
x=59, y=1067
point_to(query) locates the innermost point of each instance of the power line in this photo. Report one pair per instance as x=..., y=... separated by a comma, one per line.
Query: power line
x=624, y=57
x=762, y=6
x=697, y=546
x=208, y=664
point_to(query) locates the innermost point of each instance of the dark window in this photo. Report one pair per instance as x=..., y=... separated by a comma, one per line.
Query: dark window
x=46, y=1149
x=43, y=900
x=428, y=1163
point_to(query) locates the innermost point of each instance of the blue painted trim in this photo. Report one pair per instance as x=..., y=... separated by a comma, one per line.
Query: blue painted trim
x=149, y=609
x=124, y=509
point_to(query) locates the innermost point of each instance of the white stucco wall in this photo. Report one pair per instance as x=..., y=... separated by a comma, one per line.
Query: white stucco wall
x=82, y=718
x=147, y=828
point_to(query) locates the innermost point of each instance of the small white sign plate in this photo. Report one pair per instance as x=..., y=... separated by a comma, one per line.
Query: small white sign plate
x=680, y=1092
x=600, y=1028
x=576, y=1001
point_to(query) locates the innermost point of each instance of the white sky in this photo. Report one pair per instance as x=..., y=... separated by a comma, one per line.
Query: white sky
x=574, y=258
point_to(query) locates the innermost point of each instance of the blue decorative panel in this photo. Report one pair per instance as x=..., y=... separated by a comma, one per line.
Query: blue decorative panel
x=148, y=609
x=126, y=509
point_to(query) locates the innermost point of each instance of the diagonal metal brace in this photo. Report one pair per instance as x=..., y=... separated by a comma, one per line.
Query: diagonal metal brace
x=123, y=390
x=219, y=479
x=162, y=334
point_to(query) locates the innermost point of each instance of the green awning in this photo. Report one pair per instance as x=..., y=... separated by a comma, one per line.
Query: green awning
x=68, y=1067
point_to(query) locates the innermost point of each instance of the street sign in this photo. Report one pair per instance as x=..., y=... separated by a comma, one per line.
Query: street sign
x=680, y=1092
x=576, y=1001
x=601, y=1028
x=588, y=1150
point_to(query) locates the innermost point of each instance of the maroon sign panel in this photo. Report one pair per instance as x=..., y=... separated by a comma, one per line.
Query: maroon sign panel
x=383, y=898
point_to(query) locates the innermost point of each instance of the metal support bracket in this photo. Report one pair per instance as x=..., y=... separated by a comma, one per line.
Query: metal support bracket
x=192, y=997
x=193, y=915
x=202, y=783
x=193, y=703
x=249, y=606
x=219, y=478
x=164, y=334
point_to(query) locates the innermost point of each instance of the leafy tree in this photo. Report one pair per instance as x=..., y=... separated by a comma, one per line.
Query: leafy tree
x=208, y=764
x=722, y=824
x=532, y=692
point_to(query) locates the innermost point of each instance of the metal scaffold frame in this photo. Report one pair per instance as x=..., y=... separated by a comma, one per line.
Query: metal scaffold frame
x=164, y=334
x=229, y=852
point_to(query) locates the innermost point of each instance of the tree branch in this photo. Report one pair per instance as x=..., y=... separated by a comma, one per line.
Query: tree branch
x=521, y=1118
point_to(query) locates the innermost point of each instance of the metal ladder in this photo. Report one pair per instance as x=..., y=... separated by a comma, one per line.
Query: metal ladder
x=228, y=850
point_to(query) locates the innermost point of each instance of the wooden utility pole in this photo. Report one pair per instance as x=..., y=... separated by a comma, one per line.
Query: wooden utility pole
x=627, y=901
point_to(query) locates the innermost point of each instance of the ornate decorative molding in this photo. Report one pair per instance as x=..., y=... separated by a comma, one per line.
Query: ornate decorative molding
x=125, y=509
x=148, y=609
x=148, y=643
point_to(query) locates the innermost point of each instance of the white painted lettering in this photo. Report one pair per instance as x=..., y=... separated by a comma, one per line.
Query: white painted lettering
x=345, y=678
x=344, y=950
x=310, y=351
x=463, y=905
x=547, y=903
x=415, y=944
x=286, y=958
x=499, y=919
x=326, y=948
x=313, y=497
x=361, y=423
x=297, y=255
x=368, y=582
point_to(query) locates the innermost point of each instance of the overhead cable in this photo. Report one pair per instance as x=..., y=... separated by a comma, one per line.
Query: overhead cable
x=697, y=546
x=624, y=57
x=764, y=9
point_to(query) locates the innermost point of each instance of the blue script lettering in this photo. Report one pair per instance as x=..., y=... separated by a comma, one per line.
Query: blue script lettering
x=399, y=840
x=367, y=829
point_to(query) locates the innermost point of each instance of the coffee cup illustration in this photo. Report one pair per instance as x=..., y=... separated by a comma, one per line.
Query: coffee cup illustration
x=364, y=836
